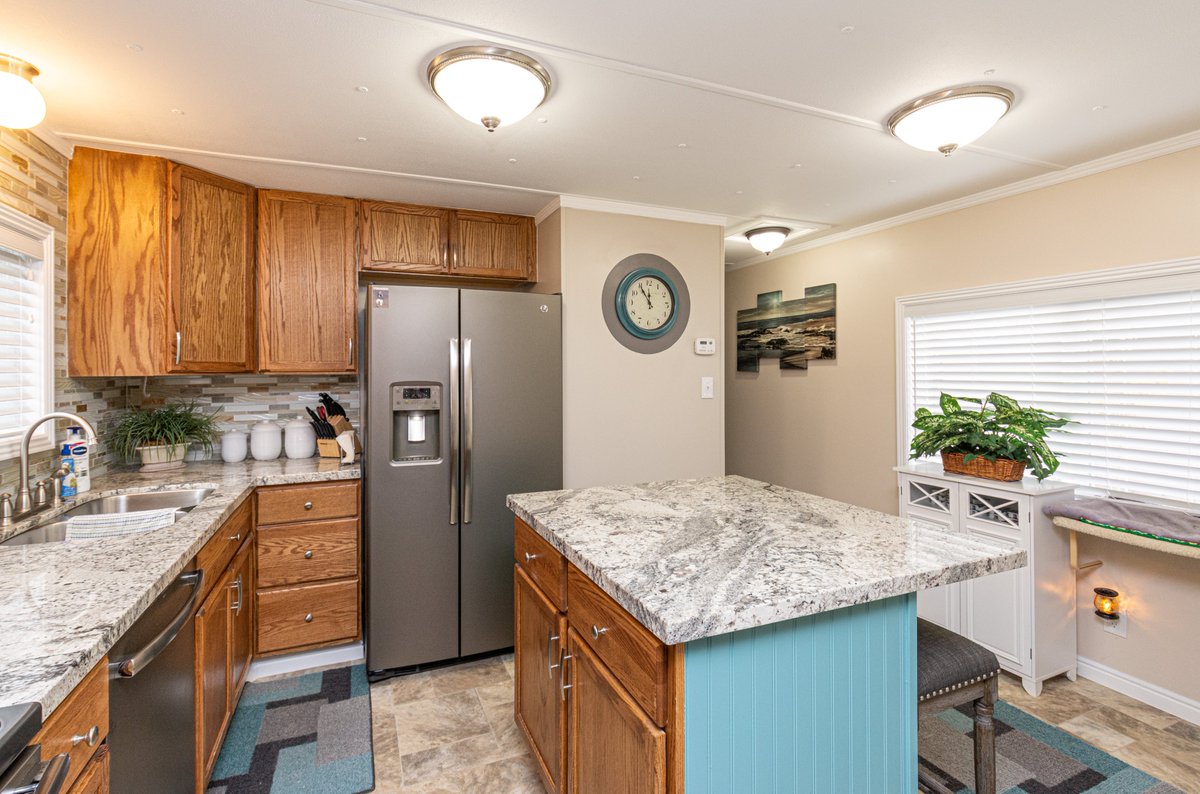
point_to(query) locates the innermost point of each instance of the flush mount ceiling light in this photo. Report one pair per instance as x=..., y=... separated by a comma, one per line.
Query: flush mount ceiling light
x=489, y=85
x=21, y=104
x=945, y=120
x=767, y=238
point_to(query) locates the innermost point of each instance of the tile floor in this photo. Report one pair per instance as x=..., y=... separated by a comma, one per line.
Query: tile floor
x=451, y=731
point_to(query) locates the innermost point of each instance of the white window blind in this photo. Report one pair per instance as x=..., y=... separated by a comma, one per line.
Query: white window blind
x=1125, y=367
x=26, y=328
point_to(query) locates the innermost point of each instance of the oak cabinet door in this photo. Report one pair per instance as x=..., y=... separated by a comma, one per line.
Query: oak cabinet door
x=614, y=747
x=212, y=676
x=211, y=273
x=540, y=706
x=241, y=632
x=490, y=245
x=404, y=238
x=306, y=282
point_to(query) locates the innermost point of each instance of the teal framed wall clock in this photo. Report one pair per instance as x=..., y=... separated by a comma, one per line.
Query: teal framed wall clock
x=645, y=303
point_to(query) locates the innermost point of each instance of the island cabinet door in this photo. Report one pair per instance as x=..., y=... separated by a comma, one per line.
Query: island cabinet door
x=212, y=677
x=614, y=746
x=540, y=707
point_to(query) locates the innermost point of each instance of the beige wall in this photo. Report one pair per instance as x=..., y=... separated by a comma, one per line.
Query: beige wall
x=630, y=417
x=832, y=430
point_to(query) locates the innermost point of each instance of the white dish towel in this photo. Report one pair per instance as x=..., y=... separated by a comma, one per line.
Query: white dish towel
x=111, y=525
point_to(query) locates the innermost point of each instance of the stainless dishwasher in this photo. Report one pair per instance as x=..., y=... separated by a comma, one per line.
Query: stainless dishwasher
x=152, y=695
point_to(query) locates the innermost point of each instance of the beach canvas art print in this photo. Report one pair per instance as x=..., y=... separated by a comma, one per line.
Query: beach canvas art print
x=795, y=332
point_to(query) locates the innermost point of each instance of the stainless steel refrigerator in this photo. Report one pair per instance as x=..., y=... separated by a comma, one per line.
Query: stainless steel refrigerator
x=463, y=406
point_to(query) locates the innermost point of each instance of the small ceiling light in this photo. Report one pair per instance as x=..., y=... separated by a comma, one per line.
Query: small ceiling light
x=490, y=85
x=767, y=238
x=945, y=120
x=21, y=104
x=1107, y=603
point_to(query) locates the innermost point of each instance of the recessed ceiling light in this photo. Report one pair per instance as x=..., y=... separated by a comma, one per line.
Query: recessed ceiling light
x=178, y=112
x=988, y=72
x=637, y=179
x=891, y=181
x=134, y=47
x=361, y=139
x=1099, y=107
x=489, y=85
x=362, y=89
x=738, y=192
x=681, y=146
x=21, y=104
x=767, y=238
x=798, y=165
x=847, y=28
x=542, y=119
x=953, y=117
x=512, y=159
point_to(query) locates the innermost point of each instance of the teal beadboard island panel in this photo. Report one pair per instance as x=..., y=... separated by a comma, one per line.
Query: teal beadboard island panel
x=826, y=703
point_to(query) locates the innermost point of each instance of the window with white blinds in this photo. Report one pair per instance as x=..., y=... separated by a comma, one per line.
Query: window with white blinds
x=26, y=328
x=1121, y=358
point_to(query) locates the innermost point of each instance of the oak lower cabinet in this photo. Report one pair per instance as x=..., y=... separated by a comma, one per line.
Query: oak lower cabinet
x=79, y=727
x=160, y=268
x=540, y=632
x=1025, y=616
x=213, y=689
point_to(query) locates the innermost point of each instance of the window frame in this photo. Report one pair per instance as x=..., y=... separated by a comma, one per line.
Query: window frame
x=27, y=234
x=1145, y=279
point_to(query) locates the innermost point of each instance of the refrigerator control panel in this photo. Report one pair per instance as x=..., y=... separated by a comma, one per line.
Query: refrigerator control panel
x=416, y=398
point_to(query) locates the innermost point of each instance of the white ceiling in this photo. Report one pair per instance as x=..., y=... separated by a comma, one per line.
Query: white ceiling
x=780, y=109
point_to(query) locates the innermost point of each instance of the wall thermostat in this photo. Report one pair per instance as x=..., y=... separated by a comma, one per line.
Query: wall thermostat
x=706, y=346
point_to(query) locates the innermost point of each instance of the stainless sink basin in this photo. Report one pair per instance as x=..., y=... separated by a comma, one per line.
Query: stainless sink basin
x=182, y=499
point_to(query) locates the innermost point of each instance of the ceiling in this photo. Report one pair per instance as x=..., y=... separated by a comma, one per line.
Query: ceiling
x=781, y=110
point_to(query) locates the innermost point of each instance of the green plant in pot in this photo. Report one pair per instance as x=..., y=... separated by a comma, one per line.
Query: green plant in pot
x=994, y=438
x=161, y=436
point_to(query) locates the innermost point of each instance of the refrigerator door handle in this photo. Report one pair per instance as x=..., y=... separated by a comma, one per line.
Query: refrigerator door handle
x=454, y=430
x=468, y=432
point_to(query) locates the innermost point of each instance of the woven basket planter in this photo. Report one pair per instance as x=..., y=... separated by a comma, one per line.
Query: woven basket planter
x=1001, y=469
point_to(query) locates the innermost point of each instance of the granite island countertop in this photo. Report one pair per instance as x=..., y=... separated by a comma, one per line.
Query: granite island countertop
x=697, y=558
x=64, y=605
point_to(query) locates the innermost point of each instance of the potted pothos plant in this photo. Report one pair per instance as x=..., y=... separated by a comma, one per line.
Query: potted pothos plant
x=993, y=438
x=161, y=436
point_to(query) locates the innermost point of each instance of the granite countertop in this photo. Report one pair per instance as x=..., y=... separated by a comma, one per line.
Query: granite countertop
x=697, y=558
x=66, y=604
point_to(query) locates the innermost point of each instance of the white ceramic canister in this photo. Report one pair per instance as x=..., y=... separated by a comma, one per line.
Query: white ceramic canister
x=233, y=446
x=266, y=441
x=299, y=439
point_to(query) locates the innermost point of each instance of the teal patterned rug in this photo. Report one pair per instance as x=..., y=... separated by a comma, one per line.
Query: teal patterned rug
x=1032, y=757
x=309, y=734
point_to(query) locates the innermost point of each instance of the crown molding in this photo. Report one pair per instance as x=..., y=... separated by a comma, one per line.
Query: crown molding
x=631, y=208
x=54, y=141
x=1139, y=154
x=545, y=212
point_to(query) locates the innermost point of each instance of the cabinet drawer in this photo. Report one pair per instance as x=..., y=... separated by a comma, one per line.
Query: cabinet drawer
x=307, y=502
x=216, y=555
x=67, y=730
x=542, y=562
x=314, y=614
x=636, y=657
x=307, y=552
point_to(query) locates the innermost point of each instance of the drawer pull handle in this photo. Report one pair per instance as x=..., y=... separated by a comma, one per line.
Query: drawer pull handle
x=597, y=631
x=308, y=505
x=91, y=738
x=530, y=557
x=308, y=554
x=236, y=538
x=308, y=618
x=550, y=665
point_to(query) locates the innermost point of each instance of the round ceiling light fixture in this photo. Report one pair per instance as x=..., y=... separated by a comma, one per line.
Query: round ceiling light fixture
x=767, y=238
x=945, y=120
x=21, y=104
x=489, y=85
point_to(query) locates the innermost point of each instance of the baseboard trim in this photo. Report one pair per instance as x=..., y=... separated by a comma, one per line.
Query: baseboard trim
x=1171, y=702
x=305, y=660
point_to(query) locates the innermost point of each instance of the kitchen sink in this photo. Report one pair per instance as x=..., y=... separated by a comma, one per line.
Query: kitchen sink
x=182, y=499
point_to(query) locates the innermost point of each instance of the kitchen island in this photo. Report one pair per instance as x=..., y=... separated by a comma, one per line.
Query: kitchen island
x=724, y=634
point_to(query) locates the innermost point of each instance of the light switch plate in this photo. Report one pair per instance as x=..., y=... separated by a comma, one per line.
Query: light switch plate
x=706, y=388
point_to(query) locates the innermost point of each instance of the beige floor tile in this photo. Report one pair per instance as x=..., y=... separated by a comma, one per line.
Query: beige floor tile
x=515, y=775
x=485, y=672
x=1124, y=704
x=407, y=688
x=1152, y=760
x=1185, y=730
x=1095, y=733
x=423, y=724
x=1177, y=747
x=1057, y=703
x=439, y=764
x=496, y=694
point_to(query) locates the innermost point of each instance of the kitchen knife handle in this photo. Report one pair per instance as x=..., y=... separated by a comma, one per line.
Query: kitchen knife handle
x=468, y=487
x=454, y=430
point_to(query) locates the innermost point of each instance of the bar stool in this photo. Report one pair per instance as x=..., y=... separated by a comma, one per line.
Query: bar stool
x=951, y=671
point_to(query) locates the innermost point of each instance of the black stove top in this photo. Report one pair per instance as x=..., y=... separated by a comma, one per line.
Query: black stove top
x=18, y=725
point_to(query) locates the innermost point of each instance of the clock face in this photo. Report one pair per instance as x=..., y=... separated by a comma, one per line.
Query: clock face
x=649, y=303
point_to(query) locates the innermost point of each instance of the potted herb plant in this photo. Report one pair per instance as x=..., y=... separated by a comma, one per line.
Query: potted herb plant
x=160, y=436
x=995, y=438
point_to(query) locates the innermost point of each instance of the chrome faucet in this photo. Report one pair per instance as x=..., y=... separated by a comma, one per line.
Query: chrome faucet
x=24, y=502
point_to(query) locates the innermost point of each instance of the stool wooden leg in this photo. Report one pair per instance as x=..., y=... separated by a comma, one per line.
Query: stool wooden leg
x=985, y=741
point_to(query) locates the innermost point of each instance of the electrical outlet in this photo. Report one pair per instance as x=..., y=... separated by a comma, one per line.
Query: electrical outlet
x=1118, y=627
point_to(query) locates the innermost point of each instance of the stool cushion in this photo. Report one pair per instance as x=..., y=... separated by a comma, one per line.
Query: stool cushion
x=947, y=661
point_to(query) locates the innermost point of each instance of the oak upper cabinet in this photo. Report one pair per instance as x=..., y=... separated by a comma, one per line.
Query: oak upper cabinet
x=404, y=238
x=211, y=273
x=613, y=745
x=160, y=268
x=490, y=245
x=306, y=282
x=539, y=699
